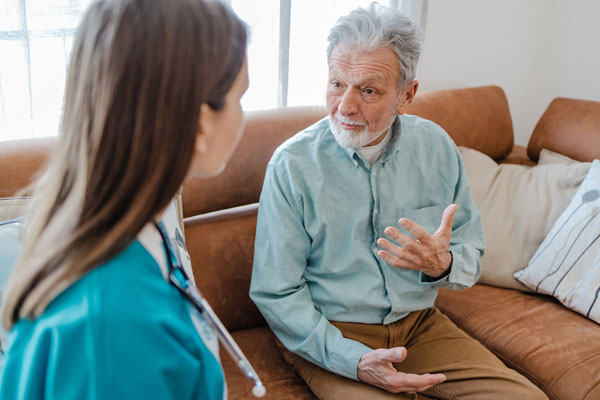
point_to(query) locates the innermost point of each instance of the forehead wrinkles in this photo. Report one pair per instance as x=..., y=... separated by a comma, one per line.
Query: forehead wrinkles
x=378, y=65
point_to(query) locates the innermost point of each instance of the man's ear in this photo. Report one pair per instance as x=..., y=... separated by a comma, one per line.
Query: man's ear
x=204, y=126
x=407, y=96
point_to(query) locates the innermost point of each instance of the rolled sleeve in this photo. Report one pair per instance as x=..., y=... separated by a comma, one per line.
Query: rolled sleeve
x=460, y=276
x=346, y=356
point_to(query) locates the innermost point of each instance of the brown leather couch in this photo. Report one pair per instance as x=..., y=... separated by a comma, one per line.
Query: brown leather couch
x=557, y=349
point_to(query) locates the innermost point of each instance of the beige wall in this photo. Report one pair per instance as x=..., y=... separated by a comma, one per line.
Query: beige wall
x=535, y=50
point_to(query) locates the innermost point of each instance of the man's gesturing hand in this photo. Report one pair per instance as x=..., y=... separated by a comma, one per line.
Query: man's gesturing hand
x=427, y=253
x=375, y=368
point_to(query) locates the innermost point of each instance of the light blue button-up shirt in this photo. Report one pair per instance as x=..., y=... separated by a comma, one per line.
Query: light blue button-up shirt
x=322, y=209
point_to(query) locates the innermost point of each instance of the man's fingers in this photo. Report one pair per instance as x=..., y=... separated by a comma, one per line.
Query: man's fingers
x=417, y=383
x=402, y=253
x=396, y=261
x=376, y=367
x=446, y=224
x=430, y=380
x=415, y=229
x=393, y=355
x=401, y=238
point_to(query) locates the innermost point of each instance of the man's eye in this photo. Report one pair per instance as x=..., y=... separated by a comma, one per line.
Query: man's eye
x=336, y=84
x=369, y=91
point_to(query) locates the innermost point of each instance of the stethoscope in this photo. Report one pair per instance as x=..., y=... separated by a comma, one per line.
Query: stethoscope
x=179, y=278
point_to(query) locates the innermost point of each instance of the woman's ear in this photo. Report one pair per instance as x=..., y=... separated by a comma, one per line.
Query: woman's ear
x=204, y=126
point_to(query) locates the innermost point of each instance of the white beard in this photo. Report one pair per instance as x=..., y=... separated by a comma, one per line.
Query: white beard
x=352, y=139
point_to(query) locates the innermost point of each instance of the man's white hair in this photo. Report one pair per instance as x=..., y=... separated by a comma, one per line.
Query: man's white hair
x=379, y=27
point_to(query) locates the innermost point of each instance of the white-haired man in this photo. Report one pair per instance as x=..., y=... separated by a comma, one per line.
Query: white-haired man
x=362, y=217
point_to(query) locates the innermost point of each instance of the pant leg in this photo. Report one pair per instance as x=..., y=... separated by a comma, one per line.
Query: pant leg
x=329, y=386
x=436, y=345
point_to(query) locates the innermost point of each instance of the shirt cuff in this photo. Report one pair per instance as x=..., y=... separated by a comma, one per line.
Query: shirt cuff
x=454, y=276
x=425, y=278
x=346, y=355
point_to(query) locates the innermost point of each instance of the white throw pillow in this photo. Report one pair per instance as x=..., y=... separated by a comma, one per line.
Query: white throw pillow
x=12, y=207
x=518, y=206
x=567, y=263
x=551, y=157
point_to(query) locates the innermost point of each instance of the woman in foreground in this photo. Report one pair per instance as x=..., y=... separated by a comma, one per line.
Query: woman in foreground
x=152, y=99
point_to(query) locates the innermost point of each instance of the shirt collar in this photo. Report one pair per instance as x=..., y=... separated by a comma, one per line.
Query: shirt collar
x=394, y=145
x=391, y=149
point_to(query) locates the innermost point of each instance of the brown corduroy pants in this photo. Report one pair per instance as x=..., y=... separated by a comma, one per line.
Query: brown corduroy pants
x=435, y=345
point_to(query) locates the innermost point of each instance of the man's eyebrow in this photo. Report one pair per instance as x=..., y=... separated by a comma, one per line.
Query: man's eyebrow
x=367, y=80
x=372, y=81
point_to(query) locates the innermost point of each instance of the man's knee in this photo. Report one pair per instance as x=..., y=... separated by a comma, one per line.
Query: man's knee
x=523, y=388
x=499, y=384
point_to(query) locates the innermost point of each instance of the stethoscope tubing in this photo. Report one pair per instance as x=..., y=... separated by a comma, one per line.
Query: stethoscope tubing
x=193, y=295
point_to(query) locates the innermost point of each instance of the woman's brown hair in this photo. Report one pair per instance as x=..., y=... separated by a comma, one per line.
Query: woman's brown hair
x=138, y=74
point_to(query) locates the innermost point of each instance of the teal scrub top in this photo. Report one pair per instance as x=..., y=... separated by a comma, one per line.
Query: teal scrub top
x=120, y=332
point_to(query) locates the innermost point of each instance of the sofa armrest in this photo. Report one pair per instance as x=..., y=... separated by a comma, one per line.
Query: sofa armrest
x=221, y=248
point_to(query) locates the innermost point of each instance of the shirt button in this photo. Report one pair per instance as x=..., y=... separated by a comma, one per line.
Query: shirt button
x=375, y=212
x=374, y=173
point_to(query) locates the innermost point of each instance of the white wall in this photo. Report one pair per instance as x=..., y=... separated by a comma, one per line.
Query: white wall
x=535, y=50
x=573, y=50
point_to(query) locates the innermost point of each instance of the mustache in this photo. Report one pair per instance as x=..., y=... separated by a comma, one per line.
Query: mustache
x=348, y=121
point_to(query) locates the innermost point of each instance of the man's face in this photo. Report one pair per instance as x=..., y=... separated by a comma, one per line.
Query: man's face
x=362, y=95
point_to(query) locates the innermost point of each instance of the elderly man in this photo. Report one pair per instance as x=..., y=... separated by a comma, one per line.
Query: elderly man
x=362, y=217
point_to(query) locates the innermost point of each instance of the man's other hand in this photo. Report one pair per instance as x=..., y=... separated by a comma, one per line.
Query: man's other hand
x=375, y=368
x=425, y=252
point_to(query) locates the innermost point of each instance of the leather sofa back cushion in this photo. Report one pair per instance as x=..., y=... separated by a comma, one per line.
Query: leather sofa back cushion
x=19, y=161
x=241, y=182
x=570, y=127
x=478, y=117
x=518, y=206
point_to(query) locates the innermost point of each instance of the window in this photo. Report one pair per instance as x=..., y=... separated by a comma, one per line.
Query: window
x=35, y=41
x=287, y=48
x=286, y=56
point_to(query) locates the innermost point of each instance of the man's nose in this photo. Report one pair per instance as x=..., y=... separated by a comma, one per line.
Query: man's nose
x=349, y=102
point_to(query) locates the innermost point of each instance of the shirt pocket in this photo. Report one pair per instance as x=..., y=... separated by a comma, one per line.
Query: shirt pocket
x=428, y=217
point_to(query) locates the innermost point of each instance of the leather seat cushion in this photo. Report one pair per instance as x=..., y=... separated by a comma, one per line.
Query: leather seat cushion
x=554, y=347
x=258, y=344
